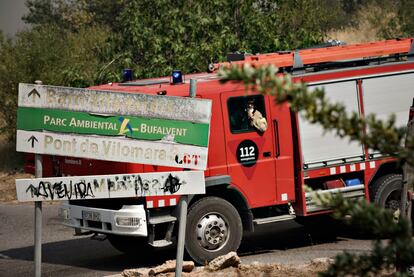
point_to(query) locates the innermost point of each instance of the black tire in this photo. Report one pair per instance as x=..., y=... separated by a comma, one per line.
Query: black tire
x=214, y=228
x=386, y=191
x=129, y=245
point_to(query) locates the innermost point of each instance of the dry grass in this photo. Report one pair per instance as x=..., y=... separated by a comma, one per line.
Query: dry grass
x=11, y=168
x=371, y=21
x=8, y=185
x=364, y=32
x=10, y=160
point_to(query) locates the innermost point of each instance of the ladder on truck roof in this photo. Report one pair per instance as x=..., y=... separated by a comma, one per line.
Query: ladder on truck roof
x=338, y=53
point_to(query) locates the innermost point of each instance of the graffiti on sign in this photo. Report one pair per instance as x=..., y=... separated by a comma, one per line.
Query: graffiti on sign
x=110, y=186
x=60, y=190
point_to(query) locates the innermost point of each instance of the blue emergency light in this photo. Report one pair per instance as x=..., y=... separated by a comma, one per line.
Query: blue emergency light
x=177, y=77
x=127, y=75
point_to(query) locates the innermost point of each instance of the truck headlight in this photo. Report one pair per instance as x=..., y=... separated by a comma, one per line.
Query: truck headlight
x=128, y=221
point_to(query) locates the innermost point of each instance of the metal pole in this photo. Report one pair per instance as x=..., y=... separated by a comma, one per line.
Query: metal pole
x=193, y=87
x=38, y=216
x=181, y=235
x=183, y=211
x=38, y=222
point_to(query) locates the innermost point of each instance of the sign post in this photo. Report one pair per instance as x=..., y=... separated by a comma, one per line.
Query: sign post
x=38, y=222
x=38, y=211
x=183, y=211
x=181, y=235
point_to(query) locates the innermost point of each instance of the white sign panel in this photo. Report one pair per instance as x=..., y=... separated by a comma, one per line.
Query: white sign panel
x=112, y=102
x=111, y=186
x=164, y=153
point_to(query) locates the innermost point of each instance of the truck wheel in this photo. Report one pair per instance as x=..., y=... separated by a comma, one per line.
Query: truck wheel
x=386, y=191
x=214, y=228
x=128, y=244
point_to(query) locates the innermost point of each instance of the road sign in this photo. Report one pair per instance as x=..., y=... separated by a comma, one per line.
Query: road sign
x=111, y=186
x=183, y=132
x=32, y=139
x=115, y=103
x=164, y=153
x=113, y=126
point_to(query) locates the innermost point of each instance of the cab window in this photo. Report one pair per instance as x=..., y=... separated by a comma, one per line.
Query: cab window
x=237, y=108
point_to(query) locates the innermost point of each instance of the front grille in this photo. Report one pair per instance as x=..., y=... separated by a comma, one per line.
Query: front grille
x=108, y=226
x=94, y=224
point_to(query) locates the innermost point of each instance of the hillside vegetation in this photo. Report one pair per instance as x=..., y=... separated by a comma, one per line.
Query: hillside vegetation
x=82, y=43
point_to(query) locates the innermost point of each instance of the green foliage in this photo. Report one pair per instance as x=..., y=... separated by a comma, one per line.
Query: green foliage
x=43, y=12
x=305, y=23
x=162, y=35
x=50, y=54
x=73, y=14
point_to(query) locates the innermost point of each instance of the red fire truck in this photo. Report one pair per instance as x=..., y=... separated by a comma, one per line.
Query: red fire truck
x=255, y=177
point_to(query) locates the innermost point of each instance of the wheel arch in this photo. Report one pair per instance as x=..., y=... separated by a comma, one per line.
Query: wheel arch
x=220, y=186
x=391, y=167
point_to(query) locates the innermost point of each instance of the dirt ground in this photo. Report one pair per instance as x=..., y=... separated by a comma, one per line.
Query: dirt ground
x=11, y=168
x=268, y=270
x=259, y=270
x=8, y=186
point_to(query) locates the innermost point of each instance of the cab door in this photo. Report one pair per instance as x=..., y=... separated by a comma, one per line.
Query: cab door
x=249, y=152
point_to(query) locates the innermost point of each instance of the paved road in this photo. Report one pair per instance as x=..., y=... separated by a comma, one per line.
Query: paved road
x=66, y=255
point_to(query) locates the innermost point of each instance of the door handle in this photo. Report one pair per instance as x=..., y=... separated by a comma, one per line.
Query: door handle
x=277, y=146
x=267, y=154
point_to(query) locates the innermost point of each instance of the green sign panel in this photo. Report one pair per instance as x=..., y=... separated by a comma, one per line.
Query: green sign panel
x=183, y=132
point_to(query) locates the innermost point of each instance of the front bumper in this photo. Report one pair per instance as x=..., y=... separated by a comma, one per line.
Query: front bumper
x=130, y=220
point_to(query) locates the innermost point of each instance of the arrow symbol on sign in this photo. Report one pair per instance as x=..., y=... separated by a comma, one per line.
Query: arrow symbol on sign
x=33, y=92
x=33, y=139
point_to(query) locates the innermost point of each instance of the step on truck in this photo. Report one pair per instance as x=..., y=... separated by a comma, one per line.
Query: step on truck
x=256, y=177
